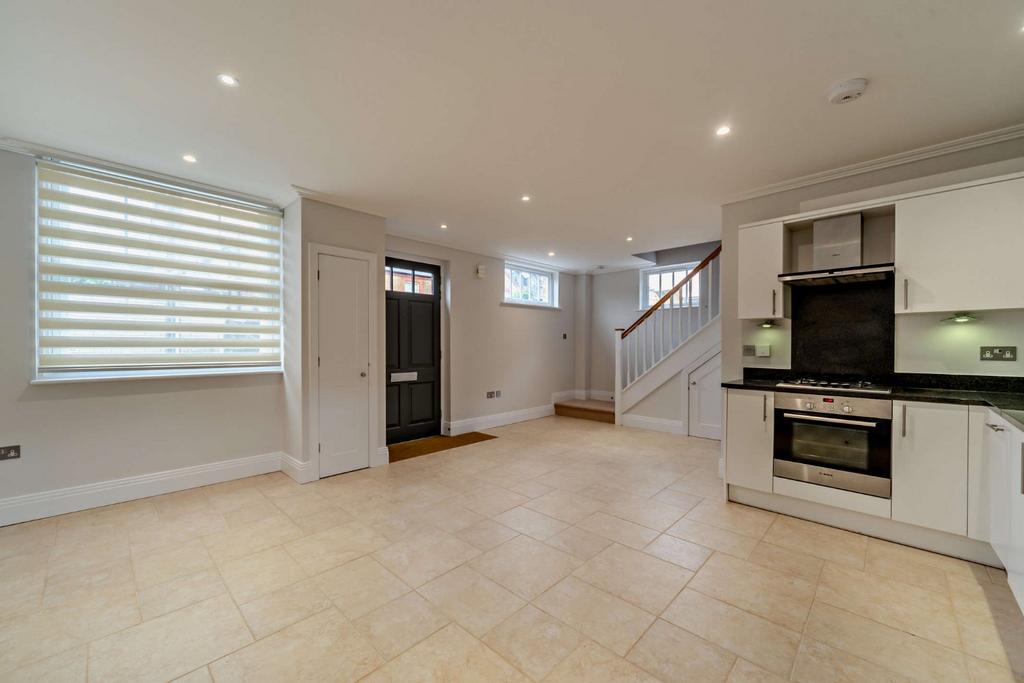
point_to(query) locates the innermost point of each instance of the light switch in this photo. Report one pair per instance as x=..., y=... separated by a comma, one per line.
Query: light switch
x=763, y=350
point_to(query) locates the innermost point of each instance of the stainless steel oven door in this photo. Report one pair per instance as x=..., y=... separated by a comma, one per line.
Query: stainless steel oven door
x=849, y=453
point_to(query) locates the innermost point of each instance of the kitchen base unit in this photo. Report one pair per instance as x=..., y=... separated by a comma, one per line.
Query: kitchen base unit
x=869, y=525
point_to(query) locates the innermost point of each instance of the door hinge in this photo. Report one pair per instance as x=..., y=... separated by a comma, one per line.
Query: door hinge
x=318, y=361
x=317, y=273
x=318, y=448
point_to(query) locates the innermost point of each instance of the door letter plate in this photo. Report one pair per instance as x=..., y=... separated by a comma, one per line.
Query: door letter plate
x=404, y=376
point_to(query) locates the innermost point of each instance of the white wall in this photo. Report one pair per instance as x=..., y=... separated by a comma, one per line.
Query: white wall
x=616, y=304
x=518, y=350
x=864, y=185
x=74, y=434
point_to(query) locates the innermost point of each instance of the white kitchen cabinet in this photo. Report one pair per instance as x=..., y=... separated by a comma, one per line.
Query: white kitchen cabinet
x=748, y=438
x=929, y=465
x=761, y=250
x=988, y=435
x=960, y=250
x=1014, y=559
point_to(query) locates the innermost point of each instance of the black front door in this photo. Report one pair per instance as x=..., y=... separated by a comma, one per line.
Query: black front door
x=413, y=306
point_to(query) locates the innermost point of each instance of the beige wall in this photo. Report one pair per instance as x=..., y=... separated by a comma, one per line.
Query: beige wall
x=616, y=304
x=518, y=350
x=926, y=344
x=74, y=434
x=792, y=201
x=664, y=403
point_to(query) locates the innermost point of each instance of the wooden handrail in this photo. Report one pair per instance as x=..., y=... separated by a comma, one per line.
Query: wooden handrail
x=675, y=290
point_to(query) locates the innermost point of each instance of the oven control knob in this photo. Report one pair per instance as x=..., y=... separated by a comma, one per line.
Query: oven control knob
x=809, y=405
x=847, y=409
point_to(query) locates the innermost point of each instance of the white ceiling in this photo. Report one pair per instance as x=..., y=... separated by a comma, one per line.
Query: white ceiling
x=447, y=111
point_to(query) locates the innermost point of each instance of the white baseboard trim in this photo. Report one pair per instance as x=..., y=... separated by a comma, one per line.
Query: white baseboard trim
x=654, y=424
x=300, y=471
x=60, y=501
x=580, y=394
x=601, y=395
x=567, y=395
x=383, y=457
x=499, y=419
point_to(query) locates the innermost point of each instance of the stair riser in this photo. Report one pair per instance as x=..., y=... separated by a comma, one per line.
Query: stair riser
x=585, y=414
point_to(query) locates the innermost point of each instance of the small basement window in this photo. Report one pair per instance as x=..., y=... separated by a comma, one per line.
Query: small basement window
x=529, y=286
x=656, y=283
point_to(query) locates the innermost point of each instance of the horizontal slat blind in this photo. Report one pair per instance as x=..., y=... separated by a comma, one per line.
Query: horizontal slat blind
x=135, y=276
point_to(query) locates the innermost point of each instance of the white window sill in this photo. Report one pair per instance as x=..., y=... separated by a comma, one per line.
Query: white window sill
x=519, y=304
x=122, y=375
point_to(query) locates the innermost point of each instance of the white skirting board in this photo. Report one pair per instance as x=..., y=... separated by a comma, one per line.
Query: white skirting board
x=498, y=419
x=300, y=471
x=383, y=457
x=567, y=395
x=60, y=501
x=656, y=424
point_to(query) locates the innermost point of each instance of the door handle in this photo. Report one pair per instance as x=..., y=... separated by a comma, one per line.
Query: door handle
x=906, y=293
x=764, y=407
x=995, y=428
x=833, y=420
x=362, y=374
x=693, y=383
x=773, y=302
x=904, y=430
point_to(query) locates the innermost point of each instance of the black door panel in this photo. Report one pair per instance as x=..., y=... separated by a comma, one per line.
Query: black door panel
x=413, y=318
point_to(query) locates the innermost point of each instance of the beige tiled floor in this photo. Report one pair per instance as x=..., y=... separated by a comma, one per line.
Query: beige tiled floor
x=563, y=551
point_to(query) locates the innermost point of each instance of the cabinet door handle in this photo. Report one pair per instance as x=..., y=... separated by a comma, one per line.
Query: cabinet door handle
x=773, y=302
x=1022, y=469
x=995, y=428
x=764, y=407
x=906, y=294
x=904, y=429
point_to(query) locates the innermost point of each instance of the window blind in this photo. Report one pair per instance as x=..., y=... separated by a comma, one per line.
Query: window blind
x=137, y=276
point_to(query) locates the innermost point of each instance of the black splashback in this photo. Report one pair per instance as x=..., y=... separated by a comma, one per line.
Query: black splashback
x=845, y=329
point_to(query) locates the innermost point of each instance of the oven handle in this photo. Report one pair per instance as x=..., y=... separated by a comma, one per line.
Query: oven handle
x=818, y=418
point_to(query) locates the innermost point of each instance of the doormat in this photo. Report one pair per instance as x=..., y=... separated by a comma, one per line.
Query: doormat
x=433, y=444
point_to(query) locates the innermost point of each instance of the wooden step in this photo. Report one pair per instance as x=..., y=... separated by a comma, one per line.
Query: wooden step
x=599, y=411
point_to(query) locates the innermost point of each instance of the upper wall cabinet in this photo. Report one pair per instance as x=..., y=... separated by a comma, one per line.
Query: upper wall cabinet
x=761, y=259
x=959, y=250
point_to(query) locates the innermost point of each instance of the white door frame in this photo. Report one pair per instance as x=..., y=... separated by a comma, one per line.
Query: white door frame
x=445, y=369
x=313, y=283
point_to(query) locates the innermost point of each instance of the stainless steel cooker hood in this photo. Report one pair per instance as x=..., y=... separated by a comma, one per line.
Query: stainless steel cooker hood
x=837, y=255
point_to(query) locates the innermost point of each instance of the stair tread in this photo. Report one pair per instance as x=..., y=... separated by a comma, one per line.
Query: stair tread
x=590, y=404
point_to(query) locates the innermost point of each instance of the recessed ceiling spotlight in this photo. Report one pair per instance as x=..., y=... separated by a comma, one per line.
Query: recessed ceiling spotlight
x=444, y=226
x=526, y=197
x=551, y=253
x=189, y=158
x=723, y=131
x=228, y=80
x=629, y=239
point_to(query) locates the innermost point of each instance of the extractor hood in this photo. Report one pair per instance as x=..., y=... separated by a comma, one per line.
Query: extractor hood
x=838, y=276
x=837, y=255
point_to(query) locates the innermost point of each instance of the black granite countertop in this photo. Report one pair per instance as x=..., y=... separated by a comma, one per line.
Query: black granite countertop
x=1009, y=404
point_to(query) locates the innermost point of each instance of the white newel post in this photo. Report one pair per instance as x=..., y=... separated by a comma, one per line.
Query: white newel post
x=618, y=375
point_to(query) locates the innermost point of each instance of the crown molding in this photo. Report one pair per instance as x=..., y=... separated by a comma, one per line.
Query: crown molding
x=942, y=148
x=327, y=198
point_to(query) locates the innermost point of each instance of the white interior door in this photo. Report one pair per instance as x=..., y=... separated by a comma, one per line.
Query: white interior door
x=343, y=374
x=705, y=386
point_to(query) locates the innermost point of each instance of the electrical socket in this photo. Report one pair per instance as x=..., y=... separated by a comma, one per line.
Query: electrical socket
x=10, y=452
x=999, y=353
x=497, y=393
x=490, y=394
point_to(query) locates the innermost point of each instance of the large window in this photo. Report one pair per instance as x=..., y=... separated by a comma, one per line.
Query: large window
x=140, y=278
x=657, y=282
x=528, y=286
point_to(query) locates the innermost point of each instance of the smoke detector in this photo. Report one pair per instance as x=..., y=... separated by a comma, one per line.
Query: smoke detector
x=848, y=91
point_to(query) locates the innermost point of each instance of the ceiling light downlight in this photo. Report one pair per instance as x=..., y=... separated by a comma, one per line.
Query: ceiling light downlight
x=444, y=226
x=525, y=197
x=228, y=80
x=189, y=158
x=629, y=239
x=848, y=91
x=723, y=130
x=960, y=318
x=551, y=253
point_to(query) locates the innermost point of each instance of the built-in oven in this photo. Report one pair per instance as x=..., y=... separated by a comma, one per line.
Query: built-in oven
x=835, y=441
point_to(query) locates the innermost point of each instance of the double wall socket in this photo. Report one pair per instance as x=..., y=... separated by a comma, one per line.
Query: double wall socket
x=10, y=452
x=494, y=394
x=999, y=353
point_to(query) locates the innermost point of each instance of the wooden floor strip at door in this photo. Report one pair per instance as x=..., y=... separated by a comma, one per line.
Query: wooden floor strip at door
x=434, y=444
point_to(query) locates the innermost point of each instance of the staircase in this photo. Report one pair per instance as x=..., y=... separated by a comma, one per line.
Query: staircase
x=681, y=329
x=590, y=409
